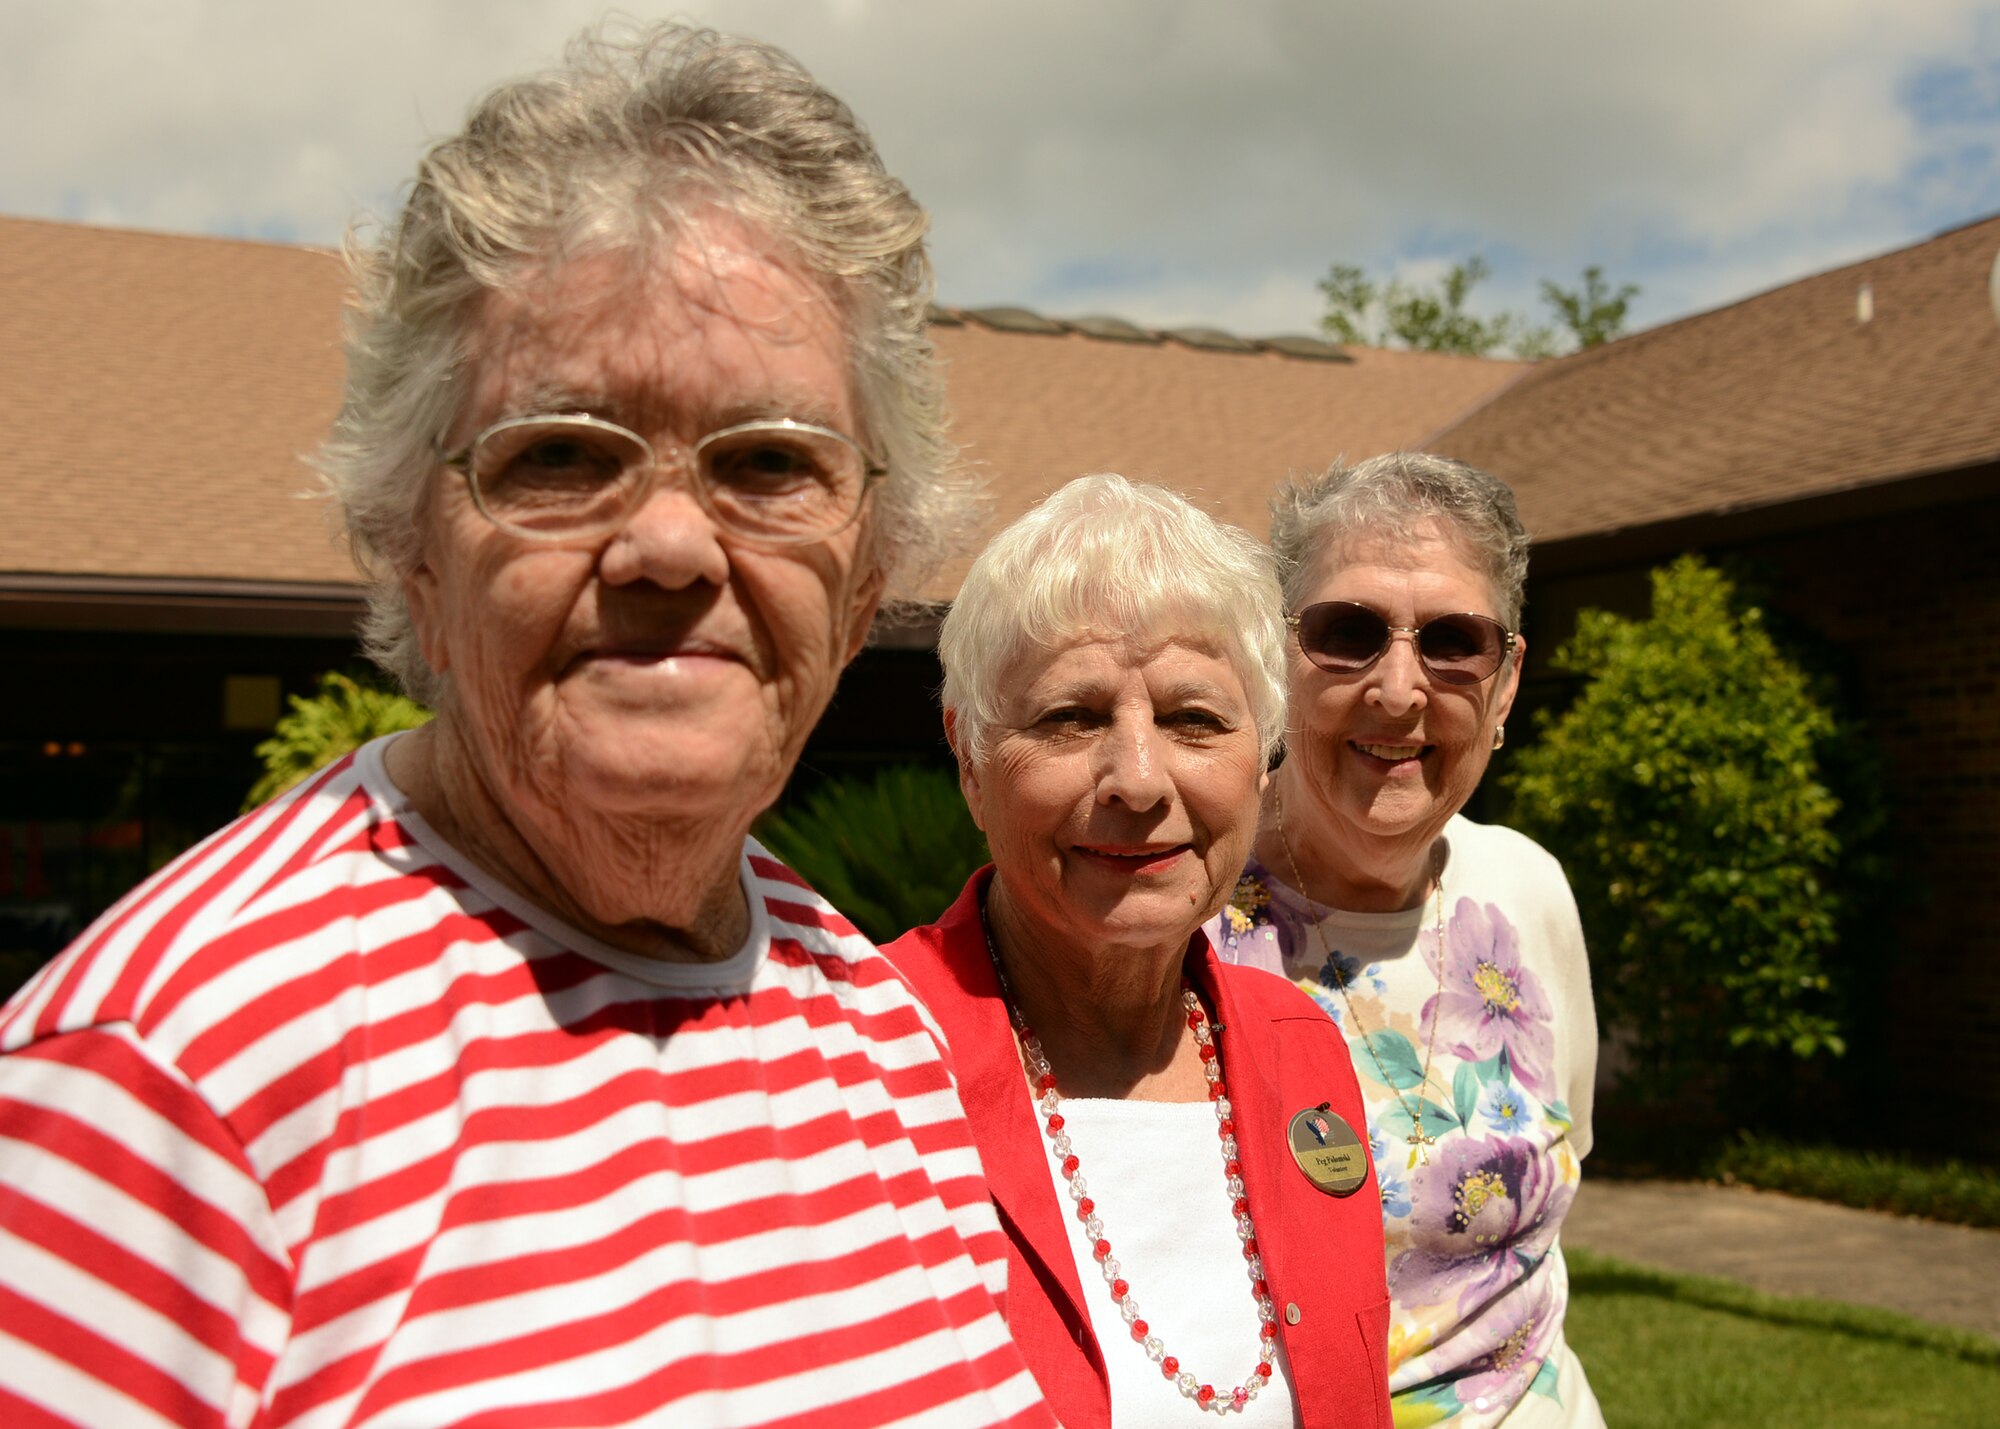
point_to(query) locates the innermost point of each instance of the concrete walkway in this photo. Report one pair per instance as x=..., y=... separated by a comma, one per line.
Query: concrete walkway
x=1949, y=1275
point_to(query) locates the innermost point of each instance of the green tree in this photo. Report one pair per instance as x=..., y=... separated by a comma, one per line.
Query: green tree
x=1423, y=318
x=890, y=851
x=1350, y=300
x=1433, y=318
x=1592, y=312
x=344, y=715
x=1682, y=792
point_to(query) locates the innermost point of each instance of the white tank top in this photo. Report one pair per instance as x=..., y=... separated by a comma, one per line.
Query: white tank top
x=1155, y=1171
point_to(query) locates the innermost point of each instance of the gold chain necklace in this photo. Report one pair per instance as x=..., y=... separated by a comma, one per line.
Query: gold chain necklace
x=1417, y=1140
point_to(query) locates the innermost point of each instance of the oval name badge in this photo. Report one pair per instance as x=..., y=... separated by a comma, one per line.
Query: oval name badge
x=1328, y=1151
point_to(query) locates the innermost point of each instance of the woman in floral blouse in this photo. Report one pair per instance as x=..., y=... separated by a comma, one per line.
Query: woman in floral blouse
x=1449, y=952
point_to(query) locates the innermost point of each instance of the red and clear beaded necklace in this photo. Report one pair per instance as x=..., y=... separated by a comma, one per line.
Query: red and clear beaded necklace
x=1049, y=1103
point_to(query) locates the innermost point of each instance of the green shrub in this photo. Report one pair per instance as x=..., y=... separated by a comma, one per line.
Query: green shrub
x=1872, y=1180
x=891, y=852
x=343, y=716
x=1683, y=795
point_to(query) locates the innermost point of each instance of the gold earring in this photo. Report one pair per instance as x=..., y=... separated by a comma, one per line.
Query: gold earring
x=1499, y=735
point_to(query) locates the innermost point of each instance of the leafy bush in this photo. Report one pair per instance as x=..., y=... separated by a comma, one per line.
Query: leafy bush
x=1872, y=1180
x=891, y=852
x=343, y=716
x=1683, y=795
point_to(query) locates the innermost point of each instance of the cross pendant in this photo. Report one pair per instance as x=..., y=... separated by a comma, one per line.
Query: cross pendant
x=1421, y=1145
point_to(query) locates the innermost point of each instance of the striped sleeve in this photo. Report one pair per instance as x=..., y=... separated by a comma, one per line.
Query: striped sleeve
x=142, y=1280
x=910, y=1050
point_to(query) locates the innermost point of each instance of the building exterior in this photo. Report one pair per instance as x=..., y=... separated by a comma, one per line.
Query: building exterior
x=1837, y=442
x=166, y=578
x=161, y=582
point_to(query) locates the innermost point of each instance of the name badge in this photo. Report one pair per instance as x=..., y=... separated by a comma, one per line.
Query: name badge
x=1328, y=1151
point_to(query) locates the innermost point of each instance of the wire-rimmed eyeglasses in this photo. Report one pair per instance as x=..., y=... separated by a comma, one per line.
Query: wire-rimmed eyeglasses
x=568, y=476
x=1344, y=638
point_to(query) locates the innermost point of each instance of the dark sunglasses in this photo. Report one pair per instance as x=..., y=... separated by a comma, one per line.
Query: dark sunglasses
x=1343, y=638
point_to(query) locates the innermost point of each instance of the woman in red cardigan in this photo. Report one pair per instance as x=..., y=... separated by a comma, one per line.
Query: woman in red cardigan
x=1176, y=1146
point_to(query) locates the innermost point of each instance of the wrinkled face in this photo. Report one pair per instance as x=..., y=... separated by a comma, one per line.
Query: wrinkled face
x=1391, y=753
x=665, y=670
x=1119, y=789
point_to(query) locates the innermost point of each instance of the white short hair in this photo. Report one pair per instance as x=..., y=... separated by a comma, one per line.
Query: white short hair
x=1103, y=555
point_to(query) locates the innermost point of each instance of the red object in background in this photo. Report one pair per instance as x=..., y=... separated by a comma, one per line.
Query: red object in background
x=35, y=884
x=125, y=834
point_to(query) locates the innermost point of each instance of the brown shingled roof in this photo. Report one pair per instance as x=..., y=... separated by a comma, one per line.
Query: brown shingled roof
x=161, y=391
x=1783, y=396
x=158, y=393
x=1220, y=427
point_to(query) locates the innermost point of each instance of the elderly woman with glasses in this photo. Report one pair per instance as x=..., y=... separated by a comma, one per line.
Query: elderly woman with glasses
x=495, y=1075
x=1448, y=952
x=1175, y=1145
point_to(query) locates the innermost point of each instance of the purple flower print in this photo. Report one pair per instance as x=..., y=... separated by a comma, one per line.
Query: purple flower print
x=1243, y=932
x=1486, y=1212
x=1489, y=1001
x=1518, y=1343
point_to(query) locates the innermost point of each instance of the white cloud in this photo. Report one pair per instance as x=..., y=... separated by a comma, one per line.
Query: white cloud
x=1176, y=161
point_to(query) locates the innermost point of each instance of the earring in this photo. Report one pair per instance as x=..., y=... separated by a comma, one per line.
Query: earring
x=1499, y=735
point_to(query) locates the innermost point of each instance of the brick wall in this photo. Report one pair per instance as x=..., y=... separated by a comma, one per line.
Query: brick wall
x=1905, y=611
x=1913, y=603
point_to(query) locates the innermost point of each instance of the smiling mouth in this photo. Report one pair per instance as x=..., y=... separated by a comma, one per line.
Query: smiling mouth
x=1393, y=753
x=655, y=653
x=1136, y=860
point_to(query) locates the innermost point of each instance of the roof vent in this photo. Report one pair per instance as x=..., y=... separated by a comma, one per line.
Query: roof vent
x=1016, y=320
x=1113, y=330
x=1211, y=339
x=1310, y=348
x=1864, y=304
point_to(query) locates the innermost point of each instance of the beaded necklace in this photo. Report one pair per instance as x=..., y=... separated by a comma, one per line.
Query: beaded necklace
x=1049, y=1102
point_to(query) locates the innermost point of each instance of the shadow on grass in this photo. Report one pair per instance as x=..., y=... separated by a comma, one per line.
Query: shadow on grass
x=1598, y=1275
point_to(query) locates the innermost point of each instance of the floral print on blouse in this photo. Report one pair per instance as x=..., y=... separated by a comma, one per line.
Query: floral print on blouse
x=1470, y=1219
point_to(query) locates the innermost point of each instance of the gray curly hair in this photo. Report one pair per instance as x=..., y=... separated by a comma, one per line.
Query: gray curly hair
x=609, y=152
x=1397, y=496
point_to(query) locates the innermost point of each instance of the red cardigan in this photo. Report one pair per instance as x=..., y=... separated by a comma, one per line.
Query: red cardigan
x=1281, y=1054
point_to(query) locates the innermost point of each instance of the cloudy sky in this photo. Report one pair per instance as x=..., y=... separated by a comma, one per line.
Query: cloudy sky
x=1168, y=161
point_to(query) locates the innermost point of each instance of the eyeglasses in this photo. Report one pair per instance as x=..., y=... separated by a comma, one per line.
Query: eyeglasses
x=561, y=478
x=1343, y=638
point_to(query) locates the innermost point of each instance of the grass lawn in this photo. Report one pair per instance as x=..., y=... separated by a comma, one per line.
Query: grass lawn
x=1674, y=1351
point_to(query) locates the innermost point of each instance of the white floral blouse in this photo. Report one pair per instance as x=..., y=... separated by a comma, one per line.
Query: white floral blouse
x=1495, y=1052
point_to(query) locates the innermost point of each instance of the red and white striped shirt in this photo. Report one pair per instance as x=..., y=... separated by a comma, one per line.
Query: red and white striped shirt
x=323, y=1126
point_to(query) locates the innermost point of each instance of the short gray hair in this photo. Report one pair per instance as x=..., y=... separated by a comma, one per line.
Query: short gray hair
x=1396, y=496
x=1104, y=556
x=609, y=152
